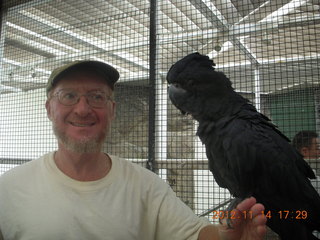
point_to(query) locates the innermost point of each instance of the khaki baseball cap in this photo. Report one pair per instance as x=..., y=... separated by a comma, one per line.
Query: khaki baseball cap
x=110, y=74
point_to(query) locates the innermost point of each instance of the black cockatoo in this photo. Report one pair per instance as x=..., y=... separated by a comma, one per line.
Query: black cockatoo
x=247, y=154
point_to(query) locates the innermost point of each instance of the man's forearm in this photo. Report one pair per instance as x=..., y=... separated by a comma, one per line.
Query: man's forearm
x=210, y=232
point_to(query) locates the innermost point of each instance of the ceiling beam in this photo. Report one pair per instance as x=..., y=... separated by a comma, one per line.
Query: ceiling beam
x=239, y=30
x=212, y=14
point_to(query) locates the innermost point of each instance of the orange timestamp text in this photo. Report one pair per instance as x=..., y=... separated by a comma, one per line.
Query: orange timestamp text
x=283, y=214
x=221, y=214
x=286, y=214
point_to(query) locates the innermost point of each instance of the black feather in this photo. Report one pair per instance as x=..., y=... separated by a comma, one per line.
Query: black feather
x=247, y=154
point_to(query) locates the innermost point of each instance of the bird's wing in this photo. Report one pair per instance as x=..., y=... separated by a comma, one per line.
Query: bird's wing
x=248, y=155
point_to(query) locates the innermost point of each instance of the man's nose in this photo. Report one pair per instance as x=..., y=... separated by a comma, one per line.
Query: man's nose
x=82, y=107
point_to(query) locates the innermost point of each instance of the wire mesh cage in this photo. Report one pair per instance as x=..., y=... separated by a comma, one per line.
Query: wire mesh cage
x=268, y=49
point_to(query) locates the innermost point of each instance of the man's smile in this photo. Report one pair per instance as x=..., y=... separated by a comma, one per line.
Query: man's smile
x=78, y=124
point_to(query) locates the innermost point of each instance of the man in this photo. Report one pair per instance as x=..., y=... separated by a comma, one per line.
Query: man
x=79, y=192
x=307, y=143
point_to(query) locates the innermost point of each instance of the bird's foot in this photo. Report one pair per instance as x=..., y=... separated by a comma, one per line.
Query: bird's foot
x=230, y=210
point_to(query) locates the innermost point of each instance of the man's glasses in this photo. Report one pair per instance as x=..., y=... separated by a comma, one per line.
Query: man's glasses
x=69, y=97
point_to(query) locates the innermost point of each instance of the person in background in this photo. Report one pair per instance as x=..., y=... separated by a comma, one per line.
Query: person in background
x=308, y=144
x=78, y=192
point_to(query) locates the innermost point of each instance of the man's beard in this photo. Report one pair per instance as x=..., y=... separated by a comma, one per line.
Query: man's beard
x=84, y=145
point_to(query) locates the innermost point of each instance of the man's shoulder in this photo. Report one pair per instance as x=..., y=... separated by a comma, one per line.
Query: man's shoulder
x=135, y=170
x=133, y=166
x=22, y=172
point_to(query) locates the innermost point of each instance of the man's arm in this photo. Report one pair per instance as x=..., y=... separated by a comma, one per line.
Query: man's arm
x=253, y=228
x=210, y=232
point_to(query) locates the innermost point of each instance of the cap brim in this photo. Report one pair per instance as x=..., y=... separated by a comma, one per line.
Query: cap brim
x=109, y=73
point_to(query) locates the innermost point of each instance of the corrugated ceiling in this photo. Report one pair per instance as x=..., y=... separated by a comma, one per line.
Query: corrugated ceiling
x=240, y=35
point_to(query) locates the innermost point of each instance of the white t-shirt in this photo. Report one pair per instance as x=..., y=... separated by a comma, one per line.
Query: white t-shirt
x=39, y=202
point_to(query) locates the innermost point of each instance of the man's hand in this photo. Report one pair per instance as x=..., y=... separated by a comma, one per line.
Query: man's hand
x=248, y=222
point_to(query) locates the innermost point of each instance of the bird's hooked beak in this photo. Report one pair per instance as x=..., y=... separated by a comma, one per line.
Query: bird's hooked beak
x=176, y=91
x=175, y=88
x=177, y=95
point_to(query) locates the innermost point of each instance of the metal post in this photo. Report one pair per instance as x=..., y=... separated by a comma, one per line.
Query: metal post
x=257, y=90
x=161, y=120
x=2, y=39
x=152, y=85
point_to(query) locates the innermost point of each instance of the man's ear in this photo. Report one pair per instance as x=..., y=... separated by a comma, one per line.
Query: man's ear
x=48, y=108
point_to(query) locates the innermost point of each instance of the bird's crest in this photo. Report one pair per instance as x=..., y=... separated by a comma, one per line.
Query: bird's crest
x=196, y=73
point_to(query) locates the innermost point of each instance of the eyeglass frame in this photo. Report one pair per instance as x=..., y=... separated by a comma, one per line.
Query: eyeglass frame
x=78, y=96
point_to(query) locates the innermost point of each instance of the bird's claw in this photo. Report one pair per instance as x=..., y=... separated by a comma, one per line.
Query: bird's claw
x=228, y=222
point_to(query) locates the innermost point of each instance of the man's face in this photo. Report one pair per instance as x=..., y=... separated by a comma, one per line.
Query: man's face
x=313, y=151
x=80, y=127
